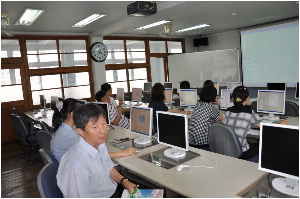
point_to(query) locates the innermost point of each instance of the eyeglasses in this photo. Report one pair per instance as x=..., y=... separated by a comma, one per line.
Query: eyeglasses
x=105, y=97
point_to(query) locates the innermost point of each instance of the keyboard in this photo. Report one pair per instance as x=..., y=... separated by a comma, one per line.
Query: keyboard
x=253, y=132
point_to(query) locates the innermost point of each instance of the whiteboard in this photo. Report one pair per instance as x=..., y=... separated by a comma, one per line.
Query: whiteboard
x=219, y=66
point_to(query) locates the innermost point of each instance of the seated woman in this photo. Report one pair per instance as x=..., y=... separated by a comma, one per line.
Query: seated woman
x=203, y=116
x=64, y=136
x=241, y=119
x=115, y=113
x=185, y=85
x=208, y=83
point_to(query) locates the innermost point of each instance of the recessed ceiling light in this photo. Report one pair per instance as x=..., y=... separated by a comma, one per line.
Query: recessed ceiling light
x=233, y=13
x=29, y=16
x=152, y=25
x=192, y=28
x=88, y=20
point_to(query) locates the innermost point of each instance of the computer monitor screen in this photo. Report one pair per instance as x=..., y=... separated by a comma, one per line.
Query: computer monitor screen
x=53, y=102
x=216, y=85
x=105, y=106
x=178, y=87
x=141, y=124
x=137, y=94
x=168, y=95
x=233, y=85
x=188, y=97
x=172, y=129
x=226, y=98
x=147, y=87
x=272, y=102
x=120, y=93
x=279, y=154
x=42, y=101
x=168, y=85
x=297, y=91
x=276, y=86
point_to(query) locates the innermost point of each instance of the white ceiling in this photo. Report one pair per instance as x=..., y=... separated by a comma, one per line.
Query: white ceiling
x=60, y=15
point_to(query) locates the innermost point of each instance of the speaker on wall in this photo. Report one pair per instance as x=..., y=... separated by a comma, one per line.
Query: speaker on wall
x=201, y=41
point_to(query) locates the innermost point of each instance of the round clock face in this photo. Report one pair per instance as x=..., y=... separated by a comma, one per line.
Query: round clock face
x=98, y=52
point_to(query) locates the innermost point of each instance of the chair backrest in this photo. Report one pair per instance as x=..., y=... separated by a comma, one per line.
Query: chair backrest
x=223, y=140
x=48, y=157
x=44, y=138
x=254, y=106
x=17, y=111
x=291, y=109
x=47, y=183
x=46, y=127
x=17, y=127
x=147, y=98
x=177, y=102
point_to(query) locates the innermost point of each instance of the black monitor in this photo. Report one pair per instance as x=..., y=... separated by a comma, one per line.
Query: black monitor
x=105, y=106
x=172, y=129
x=168, y=85
x=279, y=155
x=42, y=101
x=276, y=86
x=297, y=91
x=147, y=87
x=53, y=102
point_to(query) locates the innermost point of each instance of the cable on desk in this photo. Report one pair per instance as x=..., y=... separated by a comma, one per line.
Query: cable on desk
x=269, y=184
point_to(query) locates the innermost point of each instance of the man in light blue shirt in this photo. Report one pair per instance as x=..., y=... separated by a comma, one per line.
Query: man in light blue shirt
x=86, y=169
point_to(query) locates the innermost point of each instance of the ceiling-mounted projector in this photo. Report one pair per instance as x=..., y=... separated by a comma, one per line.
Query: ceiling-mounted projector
x=142, y=8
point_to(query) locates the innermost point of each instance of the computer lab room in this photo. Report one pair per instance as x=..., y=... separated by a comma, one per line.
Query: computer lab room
x=173, y=99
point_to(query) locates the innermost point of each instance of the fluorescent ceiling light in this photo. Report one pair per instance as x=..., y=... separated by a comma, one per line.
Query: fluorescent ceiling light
x=192, y=28
x=152, y=25
x=28, y=16
x=88, y=20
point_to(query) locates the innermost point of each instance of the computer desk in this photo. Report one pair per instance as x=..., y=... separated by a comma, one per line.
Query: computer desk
x=231, y=177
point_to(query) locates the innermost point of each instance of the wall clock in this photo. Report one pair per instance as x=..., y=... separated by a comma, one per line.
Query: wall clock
x=98, y=52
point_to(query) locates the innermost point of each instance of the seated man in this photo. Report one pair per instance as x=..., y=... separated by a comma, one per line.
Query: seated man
x=86, y=170
x=115, y=113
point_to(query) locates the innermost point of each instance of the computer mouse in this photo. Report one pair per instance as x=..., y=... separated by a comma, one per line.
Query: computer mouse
x=183, y=167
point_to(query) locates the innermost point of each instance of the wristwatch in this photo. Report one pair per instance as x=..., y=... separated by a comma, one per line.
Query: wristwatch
x=123, y=180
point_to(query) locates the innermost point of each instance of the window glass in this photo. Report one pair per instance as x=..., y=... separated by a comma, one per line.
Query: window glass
x=138, y=73
x=42, y=61
x=157, y=47
x=137, y=84
x=71, y=46
x=41, y=46
x=116, y=58
x=45, y=82
x=116, y=85
x=78, y=92
x=136, y=57
x=12, y=93
x=10, y=76
x=75, y=79
x=132, y=45
x=174, y=47
x=47, y=94
x=78, y=59
x=114, y=45
x=10, y=48
x=116, y=75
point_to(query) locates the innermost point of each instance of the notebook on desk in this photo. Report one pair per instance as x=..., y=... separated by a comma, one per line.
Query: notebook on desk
x=144, y=193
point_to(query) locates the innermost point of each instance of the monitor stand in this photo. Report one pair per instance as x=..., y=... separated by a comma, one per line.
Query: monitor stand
x=286, y=186
x=174, y=153
x=271, y=117
x=142, y=140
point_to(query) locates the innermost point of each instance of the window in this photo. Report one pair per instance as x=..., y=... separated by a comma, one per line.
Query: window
x=10, y=48
x=11, y=86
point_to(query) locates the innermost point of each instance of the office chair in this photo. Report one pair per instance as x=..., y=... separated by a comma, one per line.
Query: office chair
x=48, y=157
x=147, y=98
x=291, y=109
x=47, y=183
x=223, y=140
x=177, y=102
x=17, y=127
x=130, y=96
x=254, y=106
x=44, y=138
x=46, y=127
x=17, y=111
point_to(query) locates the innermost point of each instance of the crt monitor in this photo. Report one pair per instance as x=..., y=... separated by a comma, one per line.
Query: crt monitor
x=141, y=124
x=272, y=102
x=172, y=129
x=233, y=85
x=188, y=97
x=276, y=86
x=216, y=85
x=147, y=87
x=105, y=106
x=226, y=98
x=279, y=155
x=136, y=94
x=297, y=91
x=168, y=85
x=168, y=95
x=42, y=101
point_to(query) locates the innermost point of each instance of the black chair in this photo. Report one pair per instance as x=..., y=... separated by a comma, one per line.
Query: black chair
x=17, y=111
x=47, y=183
x=46, y=127
x=44, y=138
x=48, y=157
x=147, y=98
x=291, y=109
x=254, y=106
x=17, y=127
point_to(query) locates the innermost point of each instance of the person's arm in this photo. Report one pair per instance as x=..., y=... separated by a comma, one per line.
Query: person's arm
x=284, y=122
x=126, y=152
x=221, y=118
x=117, y=177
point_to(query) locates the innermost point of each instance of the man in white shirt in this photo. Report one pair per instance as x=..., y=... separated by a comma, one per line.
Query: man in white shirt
x=86, y=169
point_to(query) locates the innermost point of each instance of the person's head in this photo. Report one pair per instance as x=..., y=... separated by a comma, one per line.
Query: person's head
x=208, y=83
x=107, y=88
x=158, y=92
x=90, y=121
x=208, y=94
x=185, y=85
x=101, y=96
x=64, y=110
x=240, y=95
